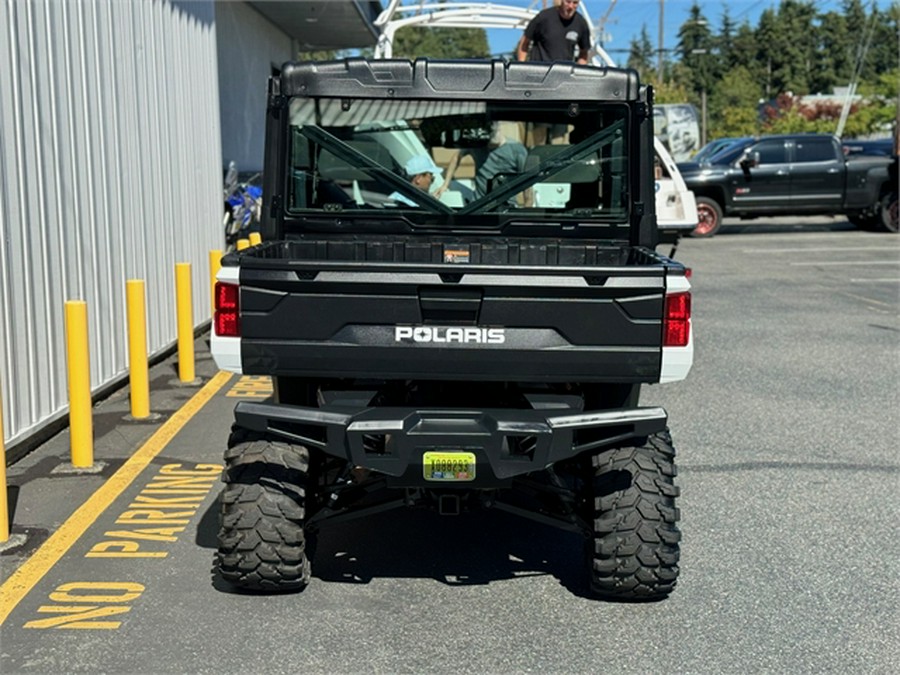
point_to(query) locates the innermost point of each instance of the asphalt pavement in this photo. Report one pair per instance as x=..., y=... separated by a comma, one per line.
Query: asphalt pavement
x=787, y=432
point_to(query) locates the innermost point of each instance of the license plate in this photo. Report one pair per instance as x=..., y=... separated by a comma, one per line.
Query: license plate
x=448, y=467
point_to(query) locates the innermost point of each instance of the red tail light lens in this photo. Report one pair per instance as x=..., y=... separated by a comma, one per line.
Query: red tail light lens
x=677, y=323
x=227, y=319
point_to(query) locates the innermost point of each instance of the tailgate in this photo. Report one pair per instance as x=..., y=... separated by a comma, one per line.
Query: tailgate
x=392, y=319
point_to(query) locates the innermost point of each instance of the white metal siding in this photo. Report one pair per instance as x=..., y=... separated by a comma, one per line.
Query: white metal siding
x=110, y=169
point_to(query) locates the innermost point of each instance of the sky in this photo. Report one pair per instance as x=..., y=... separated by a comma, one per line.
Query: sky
x=628, y=16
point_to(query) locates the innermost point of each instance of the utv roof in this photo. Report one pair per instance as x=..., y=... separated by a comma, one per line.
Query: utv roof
x=458, y=78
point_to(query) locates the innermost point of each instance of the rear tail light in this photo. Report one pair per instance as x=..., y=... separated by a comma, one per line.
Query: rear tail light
x=227, y=320
x=677, y=322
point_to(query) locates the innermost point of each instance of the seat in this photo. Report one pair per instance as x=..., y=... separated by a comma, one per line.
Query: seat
x=582, y=171
x=558, y=189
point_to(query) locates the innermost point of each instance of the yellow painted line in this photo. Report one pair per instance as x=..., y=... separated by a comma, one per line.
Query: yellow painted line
x=32, y=570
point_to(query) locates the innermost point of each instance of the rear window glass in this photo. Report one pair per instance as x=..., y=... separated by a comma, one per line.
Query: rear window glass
x=436, y=162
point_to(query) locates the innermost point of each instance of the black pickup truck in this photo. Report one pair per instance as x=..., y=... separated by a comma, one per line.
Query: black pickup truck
x=482, y=349
x=801, y=174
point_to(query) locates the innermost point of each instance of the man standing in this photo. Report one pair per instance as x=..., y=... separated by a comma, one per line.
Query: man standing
x=554, y=33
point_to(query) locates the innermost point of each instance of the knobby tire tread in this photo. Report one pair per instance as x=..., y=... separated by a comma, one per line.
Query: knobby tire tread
x=262, y=544
x=634, y=549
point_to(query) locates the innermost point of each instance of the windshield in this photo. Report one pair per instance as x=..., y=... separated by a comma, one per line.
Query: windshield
x=434, y=162
x=730, y=152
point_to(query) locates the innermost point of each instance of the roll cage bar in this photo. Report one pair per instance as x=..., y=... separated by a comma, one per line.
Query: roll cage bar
x=443, y=14
x=448, y=14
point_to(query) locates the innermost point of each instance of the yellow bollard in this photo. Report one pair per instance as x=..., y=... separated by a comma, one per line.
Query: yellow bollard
x=138, y=373
x=242, y=244
x=81, y=429
x=4, y=507
x=185, y=322
x=215, y=264
x=255, y=238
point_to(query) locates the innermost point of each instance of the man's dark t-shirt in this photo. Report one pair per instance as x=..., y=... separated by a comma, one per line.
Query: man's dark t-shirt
x=554, y=39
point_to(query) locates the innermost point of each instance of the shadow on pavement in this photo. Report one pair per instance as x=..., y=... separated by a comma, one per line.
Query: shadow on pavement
x=466, y=550
x=733, y=226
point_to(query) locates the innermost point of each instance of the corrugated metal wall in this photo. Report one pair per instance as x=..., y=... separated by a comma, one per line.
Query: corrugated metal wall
x=249, y=48
x=110, y=169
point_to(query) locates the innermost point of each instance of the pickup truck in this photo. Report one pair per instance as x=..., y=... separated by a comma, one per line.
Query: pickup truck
x=800, y=174
x=468, y=352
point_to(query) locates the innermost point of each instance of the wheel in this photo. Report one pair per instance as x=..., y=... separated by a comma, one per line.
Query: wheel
x=890, y=209
x=710, y=217
x=634, y=548
x=262, y=545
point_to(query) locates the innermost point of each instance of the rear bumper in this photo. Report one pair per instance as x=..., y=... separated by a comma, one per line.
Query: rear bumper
x=505, y=442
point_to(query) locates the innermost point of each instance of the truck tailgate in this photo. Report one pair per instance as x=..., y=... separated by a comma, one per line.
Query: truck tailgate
x=555, y=312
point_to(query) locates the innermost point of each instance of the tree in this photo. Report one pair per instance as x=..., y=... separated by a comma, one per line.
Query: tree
x=793, y=47
x=878, y=111
x=670, y=92
x=695, y=49
x=832, y=65
x=883, y=51
x=413, y=42
x=745, y=49
x=318, y=55
x=640, y=55
x=859, y=28
x=724, y=43
x=793, y=50
x=737, y=91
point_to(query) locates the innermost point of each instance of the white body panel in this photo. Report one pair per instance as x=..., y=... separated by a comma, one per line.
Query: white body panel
x=226, y=351
x=677, y=361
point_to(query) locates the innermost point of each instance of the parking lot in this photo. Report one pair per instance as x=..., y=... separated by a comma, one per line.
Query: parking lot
x=787, y=435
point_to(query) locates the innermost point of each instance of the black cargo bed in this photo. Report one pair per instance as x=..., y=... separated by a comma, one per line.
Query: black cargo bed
x=525, y=310
x=449, y=250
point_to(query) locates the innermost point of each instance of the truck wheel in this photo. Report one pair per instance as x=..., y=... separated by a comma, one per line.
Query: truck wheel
x=634, y=547
x=710, y=216
x=262, y=545
x=890, y=210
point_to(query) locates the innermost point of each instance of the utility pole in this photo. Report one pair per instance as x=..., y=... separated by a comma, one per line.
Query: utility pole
x=703, y=117
x=659, y=60
x=601, y=24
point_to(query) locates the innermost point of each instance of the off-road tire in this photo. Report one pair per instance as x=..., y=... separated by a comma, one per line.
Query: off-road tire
x=262, y=545
x=634, y=548
x=710, y=215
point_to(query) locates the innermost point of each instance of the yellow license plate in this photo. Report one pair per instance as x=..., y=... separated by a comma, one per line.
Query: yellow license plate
x=448, y=467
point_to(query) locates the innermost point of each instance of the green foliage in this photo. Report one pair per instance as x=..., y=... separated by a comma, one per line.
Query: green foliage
x=789, y=116
x=887, y=84
x=737, y=87
x=735, y=121
x=440, y=43
x=792, y=52
x=319, y=55
x=670, y=92
x=733, y=105
x=640, y=56
x=696, y=47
